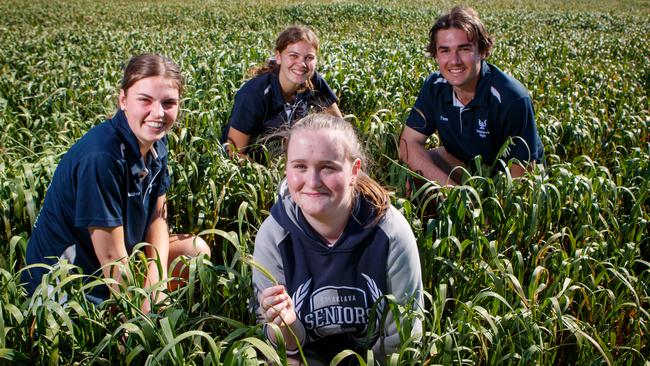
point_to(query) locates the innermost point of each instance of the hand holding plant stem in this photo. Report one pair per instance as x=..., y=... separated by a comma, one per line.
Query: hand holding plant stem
x=277, y=307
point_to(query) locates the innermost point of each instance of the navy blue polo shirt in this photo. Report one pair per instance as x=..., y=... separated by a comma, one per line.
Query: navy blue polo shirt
x=101, y=181
x=260, y=107
x=501, y=108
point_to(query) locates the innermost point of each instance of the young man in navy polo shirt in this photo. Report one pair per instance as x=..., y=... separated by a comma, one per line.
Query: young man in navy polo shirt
x=472, y=105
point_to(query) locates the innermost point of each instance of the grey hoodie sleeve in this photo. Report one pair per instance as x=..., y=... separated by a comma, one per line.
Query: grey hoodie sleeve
x=404, y=279
x=267, y=254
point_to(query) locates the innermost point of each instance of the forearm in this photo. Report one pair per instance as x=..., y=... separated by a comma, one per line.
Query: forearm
x=108, y=243
x=237, y=143
x=419, y=160
x=334, y=110
x=158, y=250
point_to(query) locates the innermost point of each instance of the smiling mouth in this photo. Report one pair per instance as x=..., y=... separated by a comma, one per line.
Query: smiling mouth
x=314, y=194
x=154, y=124
x=299, y=72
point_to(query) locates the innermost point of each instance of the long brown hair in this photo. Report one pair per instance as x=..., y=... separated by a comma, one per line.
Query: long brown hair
x=347, y=137
x=289, y=36
x=466, y=19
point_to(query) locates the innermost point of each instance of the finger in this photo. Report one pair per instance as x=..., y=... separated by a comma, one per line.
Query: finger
x=276, y=308
x=279, y=317
x=273, y=290
x=273, y=300
x=274, y=312
x=267, y=293
x=283, y=317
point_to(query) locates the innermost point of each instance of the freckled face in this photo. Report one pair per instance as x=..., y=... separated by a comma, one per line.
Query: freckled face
x=151, y=106
x=320, y=177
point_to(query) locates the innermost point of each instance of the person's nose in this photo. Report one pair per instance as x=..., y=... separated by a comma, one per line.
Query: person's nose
x=313, y=179
x=455, y=58
x=157, y=109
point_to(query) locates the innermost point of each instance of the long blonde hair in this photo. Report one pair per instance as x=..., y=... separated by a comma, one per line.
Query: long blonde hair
x=365, y=186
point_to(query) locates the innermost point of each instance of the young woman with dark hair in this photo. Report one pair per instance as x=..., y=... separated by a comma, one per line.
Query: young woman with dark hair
x=108, y=191
x=286, y=89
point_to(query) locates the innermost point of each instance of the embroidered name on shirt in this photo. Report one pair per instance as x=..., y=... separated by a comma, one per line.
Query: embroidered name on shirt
x=482, y=130
x=443, y=118
x=133, y=194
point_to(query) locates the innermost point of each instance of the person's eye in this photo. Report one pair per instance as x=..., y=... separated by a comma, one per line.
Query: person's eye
x=170, y=104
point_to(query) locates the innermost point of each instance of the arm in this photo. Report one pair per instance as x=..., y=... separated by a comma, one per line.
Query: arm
x=273, y=300
x=158, y=238
x=404, y=279
x=518, y=170
x=108, y=243
x=414, y=154
x=237, y=142
x=247, y=114
x=333, y=109
x=276, y=306
x=326, y=96
x=519, y=120
x=98, y=207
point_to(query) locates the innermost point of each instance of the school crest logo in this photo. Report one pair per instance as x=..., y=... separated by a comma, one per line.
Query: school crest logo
x=482, y=129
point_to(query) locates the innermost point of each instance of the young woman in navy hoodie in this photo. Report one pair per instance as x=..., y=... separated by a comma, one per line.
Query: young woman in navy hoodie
x=336, y=245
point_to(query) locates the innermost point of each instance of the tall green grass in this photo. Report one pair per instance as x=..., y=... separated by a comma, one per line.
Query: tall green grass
x=551, y=269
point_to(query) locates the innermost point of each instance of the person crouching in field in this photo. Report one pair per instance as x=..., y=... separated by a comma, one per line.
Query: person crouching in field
x=283, y=91
x=472, y=105
x=336, y=245
x=108, y=192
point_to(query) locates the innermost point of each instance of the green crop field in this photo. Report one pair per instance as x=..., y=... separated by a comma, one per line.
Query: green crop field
x=550, y=269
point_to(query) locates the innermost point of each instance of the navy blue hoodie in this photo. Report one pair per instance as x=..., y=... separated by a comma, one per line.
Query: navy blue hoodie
x=334, y=287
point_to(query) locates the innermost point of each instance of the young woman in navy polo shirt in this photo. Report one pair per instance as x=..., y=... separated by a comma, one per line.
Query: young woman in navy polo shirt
x=286, y=89
x=108, y=191
x=335, y=245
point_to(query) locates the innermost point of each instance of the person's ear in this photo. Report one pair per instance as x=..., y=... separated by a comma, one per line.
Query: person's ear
x=122, y=99
x=356, y=168
x=278, y=57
